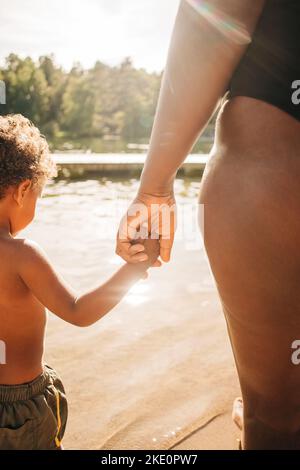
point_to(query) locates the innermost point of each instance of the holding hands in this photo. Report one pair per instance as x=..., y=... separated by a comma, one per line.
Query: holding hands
x=147, y=229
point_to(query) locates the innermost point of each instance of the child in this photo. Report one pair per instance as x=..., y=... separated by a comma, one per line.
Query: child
x=33, y=406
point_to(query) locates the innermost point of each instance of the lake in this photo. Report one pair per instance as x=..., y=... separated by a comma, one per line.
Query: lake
x=148, y=374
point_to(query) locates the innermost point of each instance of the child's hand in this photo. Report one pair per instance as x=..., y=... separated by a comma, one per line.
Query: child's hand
x=150, y=249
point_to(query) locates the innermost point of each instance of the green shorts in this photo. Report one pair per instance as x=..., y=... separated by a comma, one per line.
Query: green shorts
x=33, y=415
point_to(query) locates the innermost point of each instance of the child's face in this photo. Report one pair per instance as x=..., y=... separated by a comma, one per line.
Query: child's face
x=25, y=198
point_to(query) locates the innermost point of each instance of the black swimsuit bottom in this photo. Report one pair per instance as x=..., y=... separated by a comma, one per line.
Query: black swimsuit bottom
x=270, y=68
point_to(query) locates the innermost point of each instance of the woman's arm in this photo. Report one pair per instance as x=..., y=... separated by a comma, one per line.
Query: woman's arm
x=208, y=40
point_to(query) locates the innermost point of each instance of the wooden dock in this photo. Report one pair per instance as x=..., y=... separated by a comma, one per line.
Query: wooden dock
x=74, y=165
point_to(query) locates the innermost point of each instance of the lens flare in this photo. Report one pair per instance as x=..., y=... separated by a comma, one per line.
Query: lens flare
x=225, y=24
x=136, y=295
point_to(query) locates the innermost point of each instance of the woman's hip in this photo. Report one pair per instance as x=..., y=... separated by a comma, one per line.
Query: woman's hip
x=251, y=231
x=250, y=191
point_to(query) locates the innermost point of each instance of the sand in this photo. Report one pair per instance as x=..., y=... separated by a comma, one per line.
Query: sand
x=152, y=374
x=155, y=373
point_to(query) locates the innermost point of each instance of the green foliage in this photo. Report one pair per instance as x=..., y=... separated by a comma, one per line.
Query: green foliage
x=102, y=108
x=102, y=101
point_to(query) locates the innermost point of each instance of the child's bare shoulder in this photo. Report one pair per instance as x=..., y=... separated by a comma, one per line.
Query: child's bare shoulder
x=25, y=258
x=20, y=250
x=30, y=251
x=17, y=256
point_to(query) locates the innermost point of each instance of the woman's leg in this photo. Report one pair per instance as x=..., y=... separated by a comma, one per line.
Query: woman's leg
x=251, y=196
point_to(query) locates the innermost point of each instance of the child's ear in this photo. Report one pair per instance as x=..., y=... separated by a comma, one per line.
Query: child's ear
x=21, y=191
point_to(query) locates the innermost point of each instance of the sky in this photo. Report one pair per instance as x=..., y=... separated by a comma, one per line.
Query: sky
x=88, y=30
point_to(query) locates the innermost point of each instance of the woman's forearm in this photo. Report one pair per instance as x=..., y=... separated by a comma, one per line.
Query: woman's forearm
x=201, y=59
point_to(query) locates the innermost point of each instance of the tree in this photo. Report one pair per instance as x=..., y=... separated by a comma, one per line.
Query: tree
x=118, y=101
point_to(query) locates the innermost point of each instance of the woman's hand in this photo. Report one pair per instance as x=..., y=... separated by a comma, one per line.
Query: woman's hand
x=148, y=216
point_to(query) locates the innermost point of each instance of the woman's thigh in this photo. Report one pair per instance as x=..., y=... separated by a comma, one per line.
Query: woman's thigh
x=251, y=196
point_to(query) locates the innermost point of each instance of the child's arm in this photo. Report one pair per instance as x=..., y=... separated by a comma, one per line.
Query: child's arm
x=52, y=291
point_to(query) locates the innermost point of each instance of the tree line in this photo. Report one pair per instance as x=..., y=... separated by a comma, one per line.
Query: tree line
x=116, y=102
x=119, y=101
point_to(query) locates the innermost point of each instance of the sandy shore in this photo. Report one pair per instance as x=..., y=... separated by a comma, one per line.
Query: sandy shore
x=153, y=374
x=157, y=372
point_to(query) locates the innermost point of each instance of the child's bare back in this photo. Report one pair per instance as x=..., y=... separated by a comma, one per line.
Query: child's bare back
x=31, y=392
x=28, y=284
x=22, y=318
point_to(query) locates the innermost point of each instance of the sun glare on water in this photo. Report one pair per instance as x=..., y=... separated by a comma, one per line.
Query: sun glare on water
x=138, y=294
